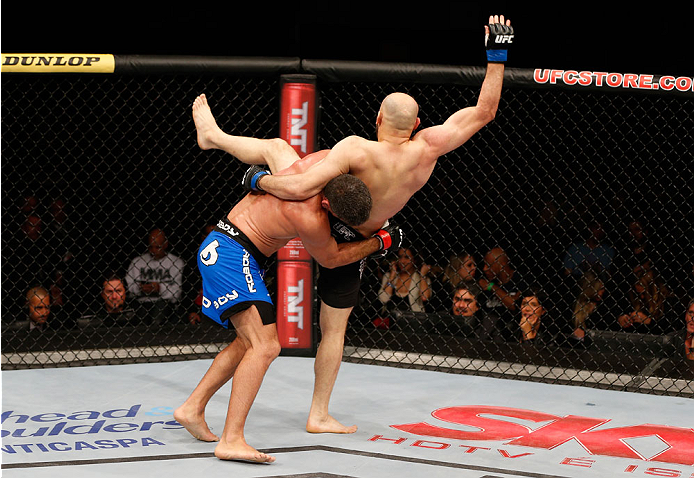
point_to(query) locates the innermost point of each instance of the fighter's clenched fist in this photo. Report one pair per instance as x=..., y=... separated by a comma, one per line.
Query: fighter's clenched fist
x=498, y=38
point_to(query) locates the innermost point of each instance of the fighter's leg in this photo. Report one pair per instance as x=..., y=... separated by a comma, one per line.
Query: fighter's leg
x=276, y=152
x=333, y=324
x=191, y=414
x=263, y=348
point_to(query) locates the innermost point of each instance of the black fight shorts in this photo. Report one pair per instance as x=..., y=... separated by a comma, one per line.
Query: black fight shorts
x=339, y=287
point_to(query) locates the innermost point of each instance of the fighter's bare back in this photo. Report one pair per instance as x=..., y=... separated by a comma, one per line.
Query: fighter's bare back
x=270, y=222
x=392, y=172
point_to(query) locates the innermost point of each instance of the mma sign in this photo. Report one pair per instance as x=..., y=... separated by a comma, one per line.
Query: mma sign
x=678, y=443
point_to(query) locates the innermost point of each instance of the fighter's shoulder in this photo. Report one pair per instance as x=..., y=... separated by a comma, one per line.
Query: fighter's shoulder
x=425, y=135
x=354, y=139
x=307, y=216
x=354, y=142
x=307, y=209
x=428, y=141
x=354, y=149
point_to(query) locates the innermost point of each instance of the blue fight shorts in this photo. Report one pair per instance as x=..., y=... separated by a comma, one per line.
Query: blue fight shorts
x=232, y=278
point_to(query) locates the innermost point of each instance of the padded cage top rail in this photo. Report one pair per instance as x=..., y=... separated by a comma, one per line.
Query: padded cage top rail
x=341, y=71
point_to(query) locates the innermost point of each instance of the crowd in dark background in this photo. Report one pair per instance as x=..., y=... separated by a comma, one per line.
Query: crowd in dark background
x=613, y=277
x=615, y=280
x=51, y=254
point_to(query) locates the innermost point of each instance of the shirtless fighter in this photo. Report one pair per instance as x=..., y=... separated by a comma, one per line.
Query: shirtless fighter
x=393, y=168
x=231, y=260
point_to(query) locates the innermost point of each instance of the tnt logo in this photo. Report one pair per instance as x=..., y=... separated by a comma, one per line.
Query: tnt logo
x=299, y=134
x=295, y=311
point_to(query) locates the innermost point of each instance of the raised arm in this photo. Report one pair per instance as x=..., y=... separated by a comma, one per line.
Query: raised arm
x=312, y=181
x=463, y=124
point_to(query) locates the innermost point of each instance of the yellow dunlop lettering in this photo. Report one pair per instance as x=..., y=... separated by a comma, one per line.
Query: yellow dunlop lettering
x=56, y=63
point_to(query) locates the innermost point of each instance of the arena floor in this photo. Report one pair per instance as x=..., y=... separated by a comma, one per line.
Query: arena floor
x=117, y=420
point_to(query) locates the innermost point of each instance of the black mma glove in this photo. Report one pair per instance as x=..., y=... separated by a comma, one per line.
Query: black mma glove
x=390, y=237
x=251, y=176
x=498, y=41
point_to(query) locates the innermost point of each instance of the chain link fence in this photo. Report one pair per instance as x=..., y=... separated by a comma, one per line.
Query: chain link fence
x=555, y=245
x=580, y=200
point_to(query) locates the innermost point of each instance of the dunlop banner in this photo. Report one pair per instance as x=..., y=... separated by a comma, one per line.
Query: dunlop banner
x=57, y=63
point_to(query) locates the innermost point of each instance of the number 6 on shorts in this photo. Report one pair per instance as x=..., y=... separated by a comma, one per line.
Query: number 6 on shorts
x=208, y=255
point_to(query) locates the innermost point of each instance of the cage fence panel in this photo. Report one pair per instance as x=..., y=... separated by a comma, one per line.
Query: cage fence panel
x=554, y=245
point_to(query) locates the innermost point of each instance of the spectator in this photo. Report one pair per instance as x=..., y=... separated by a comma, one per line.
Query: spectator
x=465, y=310
x=39, y=306
x=114, y=294
x=28, y=261
x=465, y=299
x=404, y=287
x=501, y=287
x=442, y=281
x=588, y=305
x=689, y=334
x=114, y=309
x=593, y=253
x=155, y=279
x=461, y=267
x=532, y=308
x=654, y=309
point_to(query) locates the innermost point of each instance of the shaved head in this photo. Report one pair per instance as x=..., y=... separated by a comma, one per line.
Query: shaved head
x=39, y=304
x=400, y=111
x=497, y=256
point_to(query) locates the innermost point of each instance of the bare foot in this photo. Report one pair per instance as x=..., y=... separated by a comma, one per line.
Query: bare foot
x=205, y=123
x=195, y=424
x=239, y=450
x=327, y=425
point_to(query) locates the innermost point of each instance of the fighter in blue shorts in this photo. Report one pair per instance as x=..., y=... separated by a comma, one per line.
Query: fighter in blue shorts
x=231, y=259
x=232, y=271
